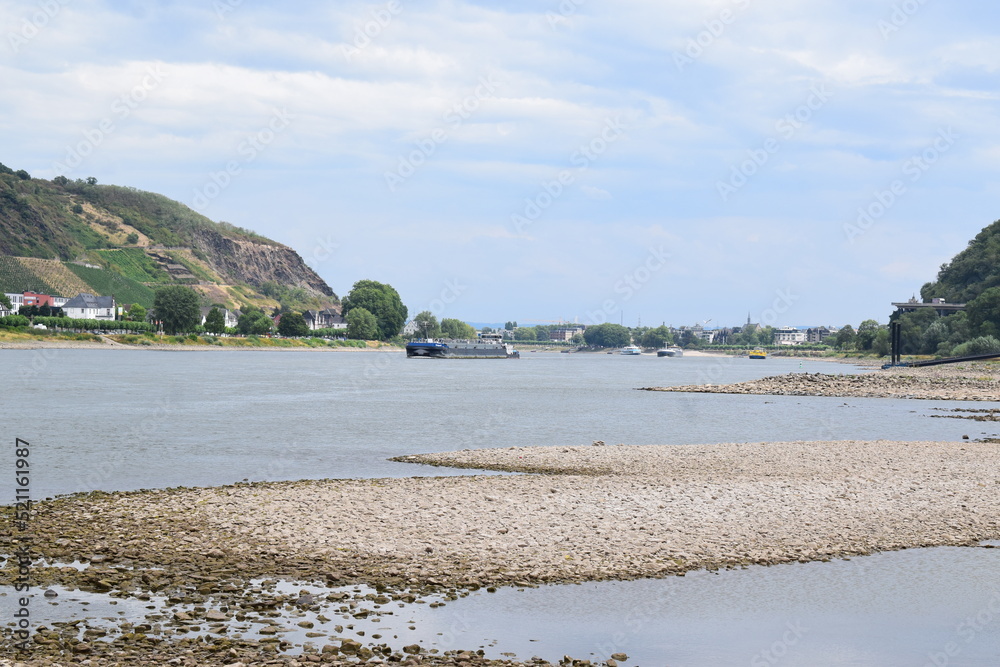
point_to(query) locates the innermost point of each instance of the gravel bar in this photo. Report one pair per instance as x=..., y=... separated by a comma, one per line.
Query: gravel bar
x=979, y=381
x=582, y=513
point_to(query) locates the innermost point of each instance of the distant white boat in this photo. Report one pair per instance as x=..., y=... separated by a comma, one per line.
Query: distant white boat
x=630, y=350
x=670, y=352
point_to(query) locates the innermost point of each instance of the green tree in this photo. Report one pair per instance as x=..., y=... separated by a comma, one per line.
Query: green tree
x=5, y=301
x=510, y=326
x=867, y=331
x=934, y=335
x=765, y=335
x=292, y=325
x=177, y=308
x=362, y=324
x=452, y=328
x=525, y=333
x=22, y=174
x=380, y=300
x=656, y=338
x=846, y=337
x=912, y=327
x=880, y=345
x=427, y=325
x=254, y=322
x=132, y=238
x=215, y=321
x=607, y=335
x=984, y=313
x=137, y=313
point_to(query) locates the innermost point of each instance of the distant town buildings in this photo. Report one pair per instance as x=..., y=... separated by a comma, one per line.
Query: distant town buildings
x=565, y=334
x=789, y=336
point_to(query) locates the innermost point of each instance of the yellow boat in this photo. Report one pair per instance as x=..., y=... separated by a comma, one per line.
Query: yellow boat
x=758, y=354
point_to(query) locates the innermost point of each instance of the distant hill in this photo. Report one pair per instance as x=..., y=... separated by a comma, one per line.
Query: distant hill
x=64, y=236
x=970, y=272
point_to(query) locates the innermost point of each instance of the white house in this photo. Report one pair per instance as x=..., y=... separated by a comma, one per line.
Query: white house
x=89, y=307
x=230, y=317
x=789, y=336
x=324, y=319
x=16, y=301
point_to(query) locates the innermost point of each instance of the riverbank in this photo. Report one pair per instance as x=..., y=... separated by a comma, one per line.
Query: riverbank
x=16, y=341
x=586, y=513
x=971, y=381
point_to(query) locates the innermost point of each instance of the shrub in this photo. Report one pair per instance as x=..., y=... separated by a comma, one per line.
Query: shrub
x=14, y=321
x=981, y=345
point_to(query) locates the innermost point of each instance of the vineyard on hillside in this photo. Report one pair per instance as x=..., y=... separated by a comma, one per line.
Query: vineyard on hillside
x=15, y=277
x=135, y=264
x=55, y=274
x=107, y=283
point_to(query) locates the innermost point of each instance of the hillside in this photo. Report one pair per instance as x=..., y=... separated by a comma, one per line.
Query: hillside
x=64, y=236
x=970, y=272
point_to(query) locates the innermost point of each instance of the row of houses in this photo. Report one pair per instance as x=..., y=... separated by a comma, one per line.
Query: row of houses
x=86, y=306
x=83, y=306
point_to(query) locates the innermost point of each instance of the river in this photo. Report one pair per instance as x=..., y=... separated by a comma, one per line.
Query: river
x=125, y=420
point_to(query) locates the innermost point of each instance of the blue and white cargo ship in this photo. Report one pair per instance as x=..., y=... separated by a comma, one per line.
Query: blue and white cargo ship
x=487, y=346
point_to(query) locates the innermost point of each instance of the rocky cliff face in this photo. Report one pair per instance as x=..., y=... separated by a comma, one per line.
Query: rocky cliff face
x=244, y=261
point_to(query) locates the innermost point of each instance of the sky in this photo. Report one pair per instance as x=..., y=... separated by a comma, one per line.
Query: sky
x=654, y=161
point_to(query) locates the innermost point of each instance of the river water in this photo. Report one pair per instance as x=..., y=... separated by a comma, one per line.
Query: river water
x=124, y=420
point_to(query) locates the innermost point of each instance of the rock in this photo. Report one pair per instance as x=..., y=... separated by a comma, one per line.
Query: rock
x=349, y=647
x=621, y=657
x=412, y=649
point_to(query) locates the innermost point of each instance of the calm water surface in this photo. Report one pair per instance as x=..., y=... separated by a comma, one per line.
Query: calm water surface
x=124, y=420
x=121, y=420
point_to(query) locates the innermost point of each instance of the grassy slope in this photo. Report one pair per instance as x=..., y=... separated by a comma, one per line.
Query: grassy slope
x=72, y=220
